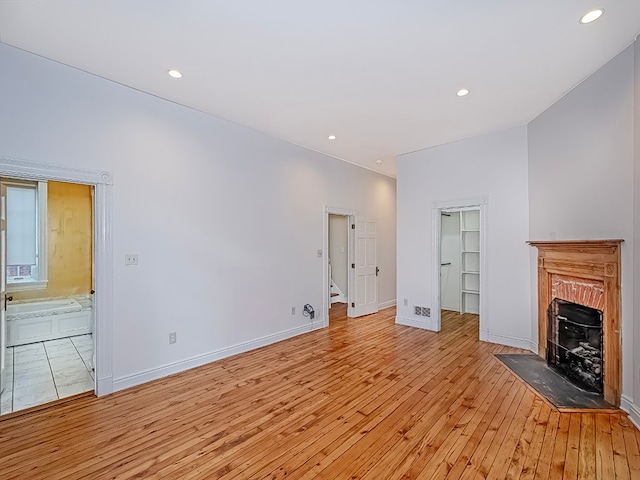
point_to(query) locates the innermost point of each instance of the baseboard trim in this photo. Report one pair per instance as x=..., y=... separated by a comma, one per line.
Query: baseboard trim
x=412, y=322
x=632, y=409
x=104, y=386
x=182, y=365
x=390, y=303
x=509, y=341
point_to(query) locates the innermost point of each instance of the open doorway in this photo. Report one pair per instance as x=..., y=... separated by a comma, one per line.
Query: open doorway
x=459, y=259
x=460, y=263
x=361, y=250
x=47, y=253
x=338, y=253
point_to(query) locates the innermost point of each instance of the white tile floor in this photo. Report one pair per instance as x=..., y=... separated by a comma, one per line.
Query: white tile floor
x=45, y=371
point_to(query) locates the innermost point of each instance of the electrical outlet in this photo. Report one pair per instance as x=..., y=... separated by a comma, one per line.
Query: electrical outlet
x=319, y=253
x=131, y=259
x=172, y=338
x=293, y=310
x=406, y=302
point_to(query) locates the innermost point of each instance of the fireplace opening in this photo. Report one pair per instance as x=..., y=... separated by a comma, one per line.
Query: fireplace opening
x=574, y=343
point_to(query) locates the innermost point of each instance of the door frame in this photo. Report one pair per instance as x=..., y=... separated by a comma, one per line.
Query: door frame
x=326, y=294
x=102, y=182
x=481, y=203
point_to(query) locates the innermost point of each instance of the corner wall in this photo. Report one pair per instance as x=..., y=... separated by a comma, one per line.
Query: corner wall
x=581, y=170
x=634, y=403
x=226, y=221
x=494, y=165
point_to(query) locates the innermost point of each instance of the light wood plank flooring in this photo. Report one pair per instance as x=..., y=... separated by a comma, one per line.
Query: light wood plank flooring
x=364, y=398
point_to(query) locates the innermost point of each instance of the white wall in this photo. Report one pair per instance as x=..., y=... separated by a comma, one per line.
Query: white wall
x=635, y=325
x=338, y=250
x=450, y=253
x=581, y=175
x=494, y=165
x=226, y=221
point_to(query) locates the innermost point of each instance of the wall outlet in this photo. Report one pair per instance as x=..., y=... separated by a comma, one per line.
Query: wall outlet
x=319, y=253
x=406, y=302
x=131, y=259
x=293, y=310
x=172, y=338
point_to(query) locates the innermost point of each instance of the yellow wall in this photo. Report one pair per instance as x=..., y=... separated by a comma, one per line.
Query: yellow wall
x=70, y=242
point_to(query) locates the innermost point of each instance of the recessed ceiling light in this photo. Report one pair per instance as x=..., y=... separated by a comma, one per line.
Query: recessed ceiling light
x=331, y=137
x=463, y=92
x=379, y=162
x=174, y=73
x=592, y=15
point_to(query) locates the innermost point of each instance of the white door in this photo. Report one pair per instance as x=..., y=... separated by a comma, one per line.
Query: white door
x=363, y=300
x=3, y=285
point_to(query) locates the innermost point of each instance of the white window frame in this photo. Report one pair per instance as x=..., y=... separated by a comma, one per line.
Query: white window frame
x=42, y=232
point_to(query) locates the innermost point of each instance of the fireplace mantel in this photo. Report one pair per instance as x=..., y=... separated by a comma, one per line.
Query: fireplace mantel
x=592, y=267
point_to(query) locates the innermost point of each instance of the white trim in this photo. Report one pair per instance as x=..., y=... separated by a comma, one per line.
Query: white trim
x=627, y=404
x=103, y=260
x=481, y=203
x=26, y=286
x=390, y=303
x=199, y=360
x=413, y=322
x=509, y=341
x=326, y=294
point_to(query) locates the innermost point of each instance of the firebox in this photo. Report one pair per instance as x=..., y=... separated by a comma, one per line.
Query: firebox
x=574, y=343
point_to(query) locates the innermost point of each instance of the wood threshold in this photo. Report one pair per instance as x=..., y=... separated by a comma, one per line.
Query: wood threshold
x=364, y=398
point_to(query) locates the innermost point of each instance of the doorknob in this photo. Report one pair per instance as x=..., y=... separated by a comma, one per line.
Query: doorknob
x=377, y=271
x=7, y=299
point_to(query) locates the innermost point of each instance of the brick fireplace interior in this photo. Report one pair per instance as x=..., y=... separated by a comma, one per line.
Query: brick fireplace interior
x=579, y=312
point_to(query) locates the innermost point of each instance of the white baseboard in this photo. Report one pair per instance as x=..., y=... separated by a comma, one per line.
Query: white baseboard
x=484, y=335
x=427, y=324
x=632, y=409
x=509, y=341
x=390, y=303
x=104, y=386
x=169, y=369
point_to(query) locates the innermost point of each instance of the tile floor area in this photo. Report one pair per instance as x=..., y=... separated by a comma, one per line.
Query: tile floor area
x=45, y=371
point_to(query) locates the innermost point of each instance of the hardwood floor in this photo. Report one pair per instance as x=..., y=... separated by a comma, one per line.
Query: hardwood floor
x=364, y=398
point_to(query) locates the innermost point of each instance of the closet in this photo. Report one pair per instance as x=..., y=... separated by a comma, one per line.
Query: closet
x=470, y=261
x=460, y=260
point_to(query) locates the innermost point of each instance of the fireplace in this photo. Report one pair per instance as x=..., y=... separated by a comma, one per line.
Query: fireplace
x=574, y=343
x=579, y=280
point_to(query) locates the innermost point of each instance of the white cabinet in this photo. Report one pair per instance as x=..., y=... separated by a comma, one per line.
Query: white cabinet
x=470, y=261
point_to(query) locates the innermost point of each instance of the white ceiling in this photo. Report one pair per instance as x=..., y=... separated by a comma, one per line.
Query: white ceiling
x=380, y=75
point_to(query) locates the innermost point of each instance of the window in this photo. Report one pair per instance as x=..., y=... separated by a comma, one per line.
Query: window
x=26, y=235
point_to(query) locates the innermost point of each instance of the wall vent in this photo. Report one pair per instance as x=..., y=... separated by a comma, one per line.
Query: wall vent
x=422, y=311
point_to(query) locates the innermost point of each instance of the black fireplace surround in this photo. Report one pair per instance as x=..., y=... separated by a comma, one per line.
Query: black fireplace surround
x=574, y=343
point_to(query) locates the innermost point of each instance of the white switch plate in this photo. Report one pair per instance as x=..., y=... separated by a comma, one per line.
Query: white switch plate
x=320, y=253
x=131, y=259
x=172, y=338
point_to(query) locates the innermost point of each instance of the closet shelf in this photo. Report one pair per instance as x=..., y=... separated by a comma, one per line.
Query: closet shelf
x=470, y=251
x=470, y=272
x=475, y=292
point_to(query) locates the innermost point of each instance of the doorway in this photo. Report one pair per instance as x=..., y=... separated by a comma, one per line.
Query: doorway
x=46, y=262
x=101, y=182
x=459, y=260
x=362, y=262
x=338, y=253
